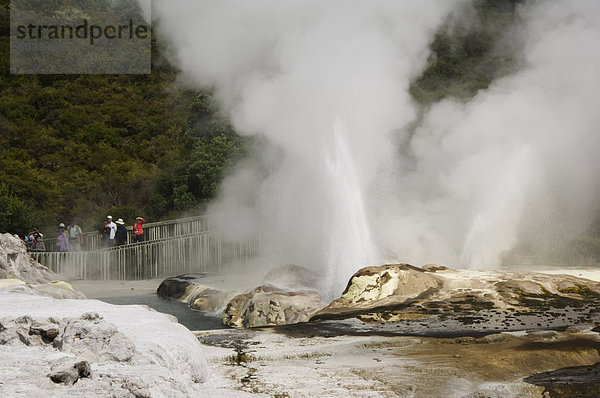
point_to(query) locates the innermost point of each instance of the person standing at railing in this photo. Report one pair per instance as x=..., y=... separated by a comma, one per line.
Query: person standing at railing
x=104, y=234
x=138, y=230
x=34, y=234
x=75, y=236
x=62, y=241
x=121, y=235
x=37, y=245
x=113, y=231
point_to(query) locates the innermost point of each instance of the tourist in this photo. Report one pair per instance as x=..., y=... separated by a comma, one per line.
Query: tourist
x=138, y=231
x=35, y=233
x=37, y=245
x=62, y=241
x=31, y=237
x=113, y=231
x=75, y=236
x=104, y=235
x=121, y=234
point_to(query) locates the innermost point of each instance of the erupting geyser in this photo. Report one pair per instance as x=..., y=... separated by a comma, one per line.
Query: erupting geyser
x=354, y=174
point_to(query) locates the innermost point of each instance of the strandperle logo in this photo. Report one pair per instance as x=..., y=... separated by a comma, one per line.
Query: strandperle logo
x=80, y=37
x=84, y=31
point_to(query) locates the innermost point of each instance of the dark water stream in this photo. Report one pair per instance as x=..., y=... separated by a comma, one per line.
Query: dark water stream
x=192, y=320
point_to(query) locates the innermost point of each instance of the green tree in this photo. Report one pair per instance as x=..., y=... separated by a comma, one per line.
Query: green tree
x=210, y=160
x=15, y=216
x=468, y=54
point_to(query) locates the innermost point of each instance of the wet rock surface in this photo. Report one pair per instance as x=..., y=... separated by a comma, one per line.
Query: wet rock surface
x=175, y=287
x=195, y=291
x=575, y=381
x=287, y=296
x=275, y=361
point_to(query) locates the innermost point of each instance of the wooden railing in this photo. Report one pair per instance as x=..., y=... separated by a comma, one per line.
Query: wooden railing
x=152, y=231
x=194, y=252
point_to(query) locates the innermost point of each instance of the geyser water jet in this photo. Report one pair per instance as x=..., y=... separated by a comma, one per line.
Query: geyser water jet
x=333, y=195
x=349, y=241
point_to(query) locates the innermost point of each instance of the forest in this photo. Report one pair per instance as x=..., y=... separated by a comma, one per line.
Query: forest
x=84, y=146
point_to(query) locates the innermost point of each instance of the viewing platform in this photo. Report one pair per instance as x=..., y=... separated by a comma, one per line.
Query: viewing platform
x=171, y=247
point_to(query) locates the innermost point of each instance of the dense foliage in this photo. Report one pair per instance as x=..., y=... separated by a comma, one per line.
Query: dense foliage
x=472, y=49
x=84, y=146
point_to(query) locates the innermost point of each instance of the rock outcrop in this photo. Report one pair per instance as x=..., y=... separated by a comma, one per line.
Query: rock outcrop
x=381, y=287
x=88, y=337
x=20, y=273
x=15, y=263
x=268, y=305
x=509, y=300
x=287, y=296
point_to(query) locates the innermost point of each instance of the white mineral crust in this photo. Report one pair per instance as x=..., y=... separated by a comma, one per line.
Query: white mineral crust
x=166, y=359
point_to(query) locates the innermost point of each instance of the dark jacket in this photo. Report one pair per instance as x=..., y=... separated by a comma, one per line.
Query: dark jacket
x=121, y=235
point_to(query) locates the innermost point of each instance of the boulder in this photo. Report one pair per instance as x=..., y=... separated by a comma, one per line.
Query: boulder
x=69, y=373
x=287, y=296
x=268, y=305
x=15, y=263
x=176, y=287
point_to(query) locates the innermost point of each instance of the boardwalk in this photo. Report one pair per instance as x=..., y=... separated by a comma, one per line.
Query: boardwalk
x=173, y=247
x=152, y=231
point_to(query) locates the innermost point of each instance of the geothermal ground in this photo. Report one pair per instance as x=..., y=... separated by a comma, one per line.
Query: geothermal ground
x=270, y=363
x=346, y=358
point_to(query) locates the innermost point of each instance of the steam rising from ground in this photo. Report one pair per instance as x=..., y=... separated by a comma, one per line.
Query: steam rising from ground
x=326, y=83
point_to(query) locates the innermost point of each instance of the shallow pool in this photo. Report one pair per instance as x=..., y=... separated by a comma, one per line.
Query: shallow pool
x=192, y=320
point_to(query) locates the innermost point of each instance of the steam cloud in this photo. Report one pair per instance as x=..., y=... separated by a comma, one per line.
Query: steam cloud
x=326, y=83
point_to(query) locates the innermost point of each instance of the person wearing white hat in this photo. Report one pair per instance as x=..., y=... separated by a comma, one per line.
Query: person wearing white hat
x=121, y=235
x=113, y=231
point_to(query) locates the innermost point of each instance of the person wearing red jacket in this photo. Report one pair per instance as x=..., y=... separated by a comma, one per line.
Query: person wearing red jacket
x=138, y=231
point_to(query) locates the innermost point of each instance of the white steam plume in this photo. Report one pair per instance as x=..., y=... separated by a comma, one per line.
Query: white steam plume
x=519, y=160
x=326, y=82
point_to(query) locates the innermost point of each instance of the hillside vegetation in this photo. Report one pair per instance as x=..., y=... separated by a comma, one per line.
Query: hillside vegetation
x=84, y=146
